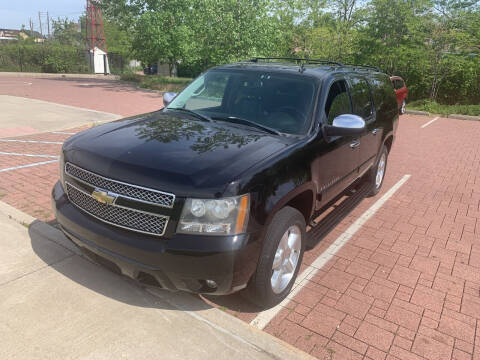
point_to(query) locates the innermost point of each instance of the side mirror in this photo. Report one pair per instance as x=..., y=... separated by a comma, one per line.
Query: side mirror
x=345, y=125
x=168, y=98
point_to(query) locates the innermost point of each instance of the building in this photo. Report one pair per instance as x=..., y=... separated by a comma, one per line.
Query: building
x=11, y=35
x=99, y=61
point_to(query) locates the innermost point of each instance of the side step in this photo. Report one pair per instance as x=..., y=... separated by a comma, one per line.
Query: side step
x=325, y=225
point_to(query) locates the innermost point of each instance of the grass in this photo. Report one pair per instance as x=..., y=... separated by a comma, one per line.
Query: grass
x=155, y=82
x=435, y=108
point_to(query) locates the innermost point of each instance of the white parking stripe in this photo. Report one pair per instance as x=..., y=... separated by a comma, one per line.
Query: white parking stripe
x=29, y=155
x=63, y=133
x=263, y=318
x=430, y=122
x=27, y=166
x=32, y=141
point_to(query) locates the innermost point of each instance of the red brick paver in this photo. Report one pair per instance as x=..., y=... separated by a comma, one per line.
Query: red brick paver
x=406, y=286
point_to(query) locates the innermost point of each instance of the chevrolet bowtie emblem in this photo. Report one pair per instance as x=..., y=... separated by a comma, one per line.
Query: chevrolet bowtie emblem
x=103, y=197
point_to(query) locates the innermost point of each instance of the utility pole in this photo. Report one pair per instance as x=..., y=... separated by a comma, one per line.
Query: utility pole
x=31, y=27
x=48, y=22
x=40, y=20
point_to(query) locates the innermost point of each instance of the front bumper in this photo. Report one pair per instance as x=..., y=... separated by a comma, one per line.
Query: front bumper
x=180, y=262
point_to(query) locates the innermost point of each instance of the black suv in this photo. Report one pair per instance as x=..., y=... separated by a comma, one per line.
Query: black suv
x=212, y=194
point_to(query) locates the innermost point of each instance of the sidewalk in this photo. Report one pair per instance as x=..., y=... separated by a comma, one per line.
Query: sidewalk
x=55, y=304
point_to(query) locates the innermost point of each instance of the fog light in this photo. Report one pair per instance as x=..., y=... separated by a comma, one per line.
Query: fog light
x=211, y=284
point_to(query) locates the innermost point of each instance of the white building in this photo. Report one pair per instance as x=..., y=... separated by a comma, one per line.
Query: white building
x=99, y=61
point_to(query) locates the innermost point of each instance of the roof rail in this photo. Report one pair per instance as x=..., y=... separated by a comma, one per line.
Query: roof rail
x=297, y=60
x=303, y=62
x=365, y=67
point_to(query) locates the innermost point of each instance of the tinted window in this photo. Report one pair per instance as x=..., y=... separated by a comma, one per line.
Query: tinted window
x=362, y=103
x=338, y=101
x=383, y=95
x=279, y=101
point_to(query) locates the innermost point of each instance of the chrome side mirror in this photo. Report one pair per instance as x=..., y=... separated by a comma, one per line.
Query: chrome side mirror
x=168, y=98
x=346, y=125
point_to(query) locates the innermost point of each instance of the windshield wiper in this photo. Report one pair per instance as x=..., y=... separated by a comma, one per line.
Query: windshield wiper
x=238, y=120
x=193, y=113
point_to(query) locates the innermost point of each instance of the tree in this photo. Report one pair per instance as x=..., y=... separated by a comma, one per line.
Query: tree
x=67, y=32
x=206, y=32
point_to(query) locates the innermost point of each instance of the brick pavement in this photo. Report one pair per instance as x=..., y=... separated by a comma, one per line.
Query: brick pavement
x=111, y=96
x=406, y=286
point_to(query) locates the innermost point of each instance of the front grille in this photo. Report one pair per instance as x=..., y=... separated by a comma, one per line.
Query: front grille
x=119, y=216
x=127, y=190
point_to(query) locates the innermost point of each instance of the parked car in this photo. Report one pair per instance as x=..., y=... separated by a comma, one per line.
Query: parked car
x=151, y=70
x=213, y=193
x=401, y=92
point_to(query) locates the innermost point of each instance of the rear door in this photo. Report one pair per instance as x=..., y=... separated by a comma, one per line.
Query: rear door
x=336, y=164
x=363, y=106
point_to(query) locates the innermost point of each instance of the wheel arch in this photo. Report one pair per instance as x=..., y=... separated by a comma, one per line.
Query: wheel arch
x=301, y=199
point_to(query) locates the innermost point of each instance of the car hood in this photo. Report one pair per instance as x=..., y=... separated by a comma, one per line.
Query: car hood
x=172, y=153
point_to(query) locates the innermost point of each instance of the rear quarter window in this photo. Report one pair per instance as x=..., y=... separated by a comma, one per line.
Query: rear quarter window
x=383, y=94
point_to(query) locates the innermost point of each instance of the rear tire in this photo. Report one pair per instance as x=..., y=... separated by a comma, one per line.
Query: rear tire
x=376, y=174
x=280, y=259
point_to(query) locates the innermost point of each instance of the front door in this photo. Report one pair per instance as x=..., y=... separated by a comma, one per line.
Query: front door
x=335, y=168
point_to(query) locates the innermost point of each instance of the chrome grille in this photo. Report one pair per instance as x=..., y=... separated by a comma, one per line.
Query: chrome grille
x=130, y=219
x=126, y=190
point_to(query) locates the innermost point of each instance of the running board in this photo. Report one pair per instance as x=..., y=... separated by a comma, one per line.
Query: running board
x=324, y=226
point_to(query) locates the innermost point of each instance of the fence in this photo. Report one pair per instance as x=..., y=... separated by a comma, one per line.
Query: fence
x=52, y=58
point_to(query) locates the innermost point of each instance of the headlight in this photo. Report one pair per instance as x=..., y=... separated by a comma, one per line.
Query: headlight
x=61, y=162
x=228, y=216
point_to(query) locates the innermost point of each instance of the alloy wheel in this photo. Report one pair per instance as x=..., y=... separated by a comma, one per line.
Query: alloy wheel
x=286, y=259
x=380, y=170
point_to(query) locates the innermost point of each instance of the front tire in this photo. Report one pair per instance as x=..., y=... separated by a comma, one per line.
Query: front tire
x=280, y=260
x=376, y=174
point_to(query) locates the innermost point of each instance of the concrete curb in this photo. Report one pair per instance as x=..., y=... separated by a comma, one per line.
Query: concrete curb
x=416, y=112
x=61, y=76
x=15, y=214
x=464, y=117
x=450, y=116
x=262, y=341
x=221, y=321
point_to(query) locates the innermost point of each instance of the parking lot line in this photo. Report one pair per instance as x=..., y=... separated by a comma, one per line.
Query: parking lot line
x=28, y=165
x=63, y=133
x=32, y=141
x=264, y=318
x=29, y=155
x=430, y=122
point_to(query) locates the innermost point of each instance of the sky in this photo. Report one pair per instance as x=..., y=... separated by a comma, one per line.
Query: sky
x=14, y=13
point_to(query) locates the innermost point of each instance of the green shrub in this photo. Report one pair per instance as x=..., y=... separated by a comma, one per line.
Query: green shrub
x=155, y=82
x=435, y=108
x=131, y=77
x=47, y=57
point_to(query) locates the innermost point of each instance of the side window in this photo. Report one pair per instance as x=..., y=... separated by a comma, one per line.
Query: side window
x=362, y=102
x=338, y=101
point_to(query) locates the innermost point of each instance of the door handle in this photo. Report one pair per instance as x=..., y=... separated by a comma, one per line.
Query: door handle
x=375, y=131
x=355, y=144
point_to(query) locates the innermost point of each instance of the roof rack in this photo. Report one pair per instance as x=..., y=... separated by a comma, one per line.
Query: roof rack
x=365, y=67
x=302, y=62
x=297, y=60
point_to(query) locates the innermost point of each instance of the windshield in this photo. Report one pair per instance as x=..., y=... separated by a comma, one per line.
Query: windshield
x=281, y=102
